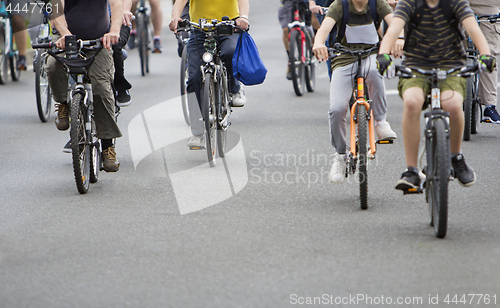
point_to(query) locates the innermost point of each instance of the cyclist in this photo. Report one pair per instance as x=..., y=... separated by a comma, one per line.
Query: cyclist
x=18, y=19
x=360, y=33
x=236, y=10
x=184, y=35
x=89, y=19
x=156, y=18
x=438, y=46
x=488, y=81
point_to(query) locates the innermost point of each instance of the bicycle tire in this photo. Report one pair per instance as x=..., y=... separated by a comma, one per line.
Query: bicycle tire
x=362, y=156
x=142, y=39
x=437, y=177
x=15, y=73
x=476, y=114
x=42, y=88
x=80, y=146
x=3, y=57
x=310, y=71
x=183, y=83
x=296, y=64
x=96, y=159
x=467, y=106
x=222, y=112
x=209, y=117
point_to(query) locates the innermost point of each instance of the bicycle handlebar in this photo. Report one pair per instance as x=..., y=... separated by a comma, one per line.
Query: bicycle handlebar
x=80, y=44
x=338, y=48
x=491, y=18
x=206, y=25
x=465, y=71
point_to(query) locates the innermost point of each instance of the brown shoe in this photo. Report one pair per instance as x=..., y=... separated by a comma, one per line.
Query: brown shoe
x=109, y=161
x=62, y=119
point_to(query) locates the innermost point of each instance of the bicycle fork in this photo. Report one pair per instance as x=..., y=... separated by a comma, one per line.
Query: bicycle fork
x=362, y=103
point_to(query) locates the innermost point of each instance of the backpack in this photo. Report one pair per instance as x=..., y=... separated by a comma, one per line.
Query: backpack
x=416, y=18
x=337, y=33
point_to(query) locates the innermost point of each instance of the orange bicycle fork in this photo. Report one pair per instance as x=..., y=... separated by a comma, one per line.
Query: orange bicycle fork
x=360, y=102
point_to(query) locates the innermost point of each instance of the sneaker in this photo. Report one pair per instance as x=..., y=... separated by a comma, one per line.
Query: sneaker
x=337, y=172
x=67, y=147
x=131, y=40
x=409, y=179
x=239, y=99
x=21, y=63
x=196, y=142
x=123, y=98
x=156, y=46
x=289, y=73
x=109, y=161
x=384, y=131
x=62, y=118
x=490, y=114
x=462, y=171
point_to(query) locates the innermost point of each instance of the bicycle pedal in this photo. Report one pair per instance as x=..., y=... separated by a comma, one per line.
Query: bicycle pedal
x=410, y=191
x=391, y=141
x=196, y=148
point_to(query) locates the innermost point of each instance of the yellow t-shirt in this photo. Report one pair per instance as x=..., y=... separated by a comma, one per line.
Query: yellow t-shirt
x=213, y=9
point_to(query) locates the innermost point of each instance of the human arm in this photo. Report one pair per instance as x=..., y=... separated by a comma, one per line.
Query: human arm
x=60, y=24
x=244, y=9
x=127, y=14
x=384, y=61
x=397, y=48
x=176, y=14
x=319, y=48
x=472, y=28
x=113, y=35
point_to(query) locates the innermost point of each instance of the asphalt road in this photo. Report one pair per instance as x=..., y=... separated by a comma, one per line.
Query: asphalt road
x=263, y=229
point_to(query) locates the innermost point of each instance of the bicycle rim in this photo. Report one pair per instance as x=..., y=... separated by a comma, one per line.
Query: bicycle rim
x=468, y=101
x=42, y=88
x=79, y=145
x=209, y=117
x=296, y=65
x=362, y=156
x=3, y=58
x=142, y=38
x=310, y=74
x=476, y=114
x=95, y=163
x=183, y=82
x=222, y=113
x=14, y=72
x=438, y=173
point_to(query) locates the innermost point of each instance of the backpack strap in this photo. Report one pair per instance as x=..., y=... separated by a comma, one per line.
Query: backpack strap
x=372, y=4
x=373, y=11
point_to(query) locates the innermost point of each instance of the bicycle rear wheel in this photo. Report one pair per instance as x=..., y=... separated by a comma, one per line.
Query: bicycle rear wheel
x=309, y=70
x=96, y=159
x=222, y=113
x=184, y=78
x=209, y=117
x=468, y=102
x=15, y=73
x=142, y=35
x=80, y=146
x=437, y=176
x=4, y=58
x=296, y=64
x=362, y=156
x=42, y=88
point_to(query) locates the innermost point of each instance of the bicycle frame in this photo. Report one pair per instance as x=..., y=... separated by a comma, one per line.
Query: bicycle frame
x=359, y=94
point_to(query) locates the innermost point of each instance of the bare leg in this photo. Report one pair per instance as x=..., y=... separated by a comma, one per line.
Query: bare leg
x=451, y=102
x=156, y=16
x=413, y=101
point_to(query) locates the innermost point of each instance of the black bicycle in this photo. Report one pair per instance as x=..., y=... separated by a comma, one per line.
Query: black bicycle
x=184, y=74
x=472, y=103
x=85, y=146
x=144, y=36
x=215, y=96
x=438, y=169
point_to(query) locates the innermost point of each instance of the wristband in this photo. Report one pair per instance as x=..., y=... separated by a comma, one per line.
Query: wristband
x=244, y=17
x=401, y=38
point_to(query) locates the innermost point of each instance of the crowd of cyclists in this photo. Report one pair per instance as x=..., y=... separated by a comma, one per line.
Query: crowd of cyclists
x=430, y=40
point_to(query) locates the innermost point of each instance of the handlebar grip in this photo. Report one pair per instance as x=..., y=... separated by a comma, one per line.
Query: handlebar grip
x=43, y=45
x=183, y=24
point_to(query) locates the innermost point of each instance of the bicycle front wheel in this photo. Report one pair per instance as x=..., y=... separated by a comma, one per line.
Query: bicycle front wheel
x=142, y=34
x=296, y=63
x=42, y=88
x=468, y=102
x=437, y=177
x=362, y=156
x=209, y=117
x=96, y=160
x=4, y=57
x=222, y=113
x=309, y=70
x=184, y=78
x=80, y=146
x=15, y=73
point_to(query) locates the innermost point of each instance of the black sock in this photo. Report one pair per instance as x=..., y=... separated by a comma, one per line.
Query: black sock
x=106, y=143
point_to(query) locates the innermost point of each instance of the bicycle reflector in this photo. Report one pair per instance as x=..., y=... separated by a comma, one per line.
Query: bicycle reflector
x=208, y=57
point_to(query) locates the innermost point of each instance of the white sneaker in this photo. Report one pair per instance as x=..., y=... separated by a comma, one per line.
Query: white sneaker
x=384, y=131
x=239, y=99
x=337, y=173
x=196, y=142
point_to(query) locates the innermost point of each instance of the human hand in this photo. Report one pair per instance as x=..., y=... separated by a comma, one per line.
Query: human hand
x=397, y=49
x=487, y=62
x=385, y=66
x=320, y=52
x=127, y=18
x=173, y=24
x=316, y=9
x=242, y=22
x=110, y=38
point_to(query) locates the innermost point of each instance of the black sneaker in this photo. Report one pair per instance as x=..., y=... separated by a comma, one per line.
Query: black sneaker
x=157, y=46
x=21, y=63
x=490, y=115
x=463, y=172
x=409, y=179
x=123, y=98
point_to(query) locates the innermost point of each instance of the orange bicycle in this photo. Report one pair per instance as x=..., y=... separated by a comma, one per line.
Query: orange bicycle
x=362, y=131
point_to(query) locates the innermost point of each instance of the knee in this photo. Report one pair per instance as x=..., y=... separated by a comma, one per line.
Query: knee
x=413, y=106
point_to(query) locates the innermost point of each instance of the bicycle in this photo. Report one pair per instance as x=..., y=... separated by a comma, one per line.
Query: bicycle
x=438, y=170
x=85, y=146
x=215, y=97
x=472, y=103
x=144, y=36
x=42, y=88
x=302, y=62
x=8, y=49
x=362, y=132
x=184, y=73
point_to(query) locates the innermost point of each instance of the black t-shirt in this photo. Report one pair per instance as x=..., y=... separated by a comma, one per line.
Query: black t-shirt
x=87, y=19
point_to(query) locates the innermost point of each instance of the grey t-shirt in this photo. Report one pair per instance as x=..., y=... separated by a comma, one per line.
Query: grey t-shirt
x=87, y=19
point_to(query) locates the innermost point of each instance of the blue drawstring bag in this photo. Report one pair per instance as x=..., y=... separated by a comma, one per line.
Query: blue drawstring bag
x=247, y=64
